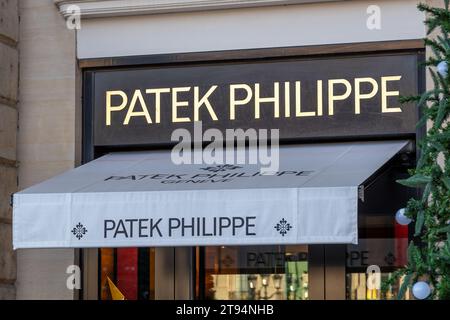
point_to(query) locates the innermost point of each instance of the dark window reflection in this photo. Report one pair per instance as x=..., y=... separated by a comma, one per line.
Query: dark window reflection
x=382, y=242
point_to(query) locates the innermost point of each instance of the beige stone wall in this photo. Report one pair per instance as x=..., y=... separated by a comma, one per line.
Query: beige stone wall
x=9, y=73
x=46, y=136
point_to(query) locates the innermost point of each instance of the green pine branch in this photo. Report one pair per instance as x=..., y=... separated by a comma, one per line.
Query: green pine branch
x=429, y=252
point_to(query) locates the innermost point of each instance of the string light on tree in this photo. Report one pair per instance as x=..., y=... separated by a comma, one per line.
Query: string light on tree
x=401, y=218
x=442, y=68
x=421, y=290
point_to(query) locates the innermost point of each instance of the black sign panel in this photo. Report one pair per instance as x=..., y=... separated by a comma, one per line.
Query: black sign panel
x=327, y=97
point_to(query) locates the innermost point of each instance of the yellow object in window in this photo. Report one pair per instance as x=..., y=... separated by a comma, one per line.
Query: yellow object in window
x=115, y=292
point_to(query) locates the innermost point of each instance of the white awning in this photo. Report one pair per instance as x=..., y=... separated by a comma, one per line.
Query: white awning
x=143, y=199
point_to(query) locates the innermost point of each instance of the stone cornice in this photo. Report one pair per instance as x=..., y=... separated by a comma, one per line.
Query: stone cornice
x=108, y=8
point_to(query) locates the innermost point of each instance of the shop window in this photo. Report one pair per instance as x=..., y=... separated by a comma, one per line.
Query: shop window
x=382, y=242
x=256, y=273
x=131, y=270
x=363, y=261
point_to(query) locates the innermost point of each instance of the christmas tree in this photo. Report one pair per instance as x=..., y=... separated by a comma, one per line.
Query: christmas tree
x=428, y=268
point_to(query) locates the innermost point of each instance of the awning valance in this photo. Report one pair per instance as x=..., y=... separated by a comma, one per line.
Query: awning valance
x=143, y=199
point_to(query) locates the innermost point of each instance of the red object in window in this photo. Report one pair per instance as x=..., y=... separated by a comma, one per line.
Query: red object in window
x=401, y=245
x=127, y=272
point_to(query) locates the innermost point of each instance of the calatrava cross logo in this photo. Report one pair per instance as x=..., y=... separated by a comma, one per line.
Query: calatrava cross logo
x=222, y=167
x=283, y=227
x=79, y=231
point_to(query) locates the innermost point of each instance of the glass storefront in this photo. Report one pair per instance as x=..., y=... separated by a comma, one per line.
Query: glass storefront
x=321, y=270
x=132, y=270
x=256, y=273
x=388, y=255
x=383, y=243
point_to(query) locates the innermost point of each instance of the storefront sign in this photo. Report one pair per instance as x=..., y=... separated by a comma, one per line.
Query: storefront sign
x=304, y=98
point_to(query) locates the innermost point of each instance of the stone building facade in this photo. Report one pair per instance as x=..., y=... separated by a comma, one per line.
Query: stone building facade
x=46, y=139
x=9, y=75
x=40, y=90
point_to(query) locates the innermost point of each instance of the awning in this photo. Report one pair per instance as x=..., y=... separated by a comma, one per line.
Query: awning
x=143, y=199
